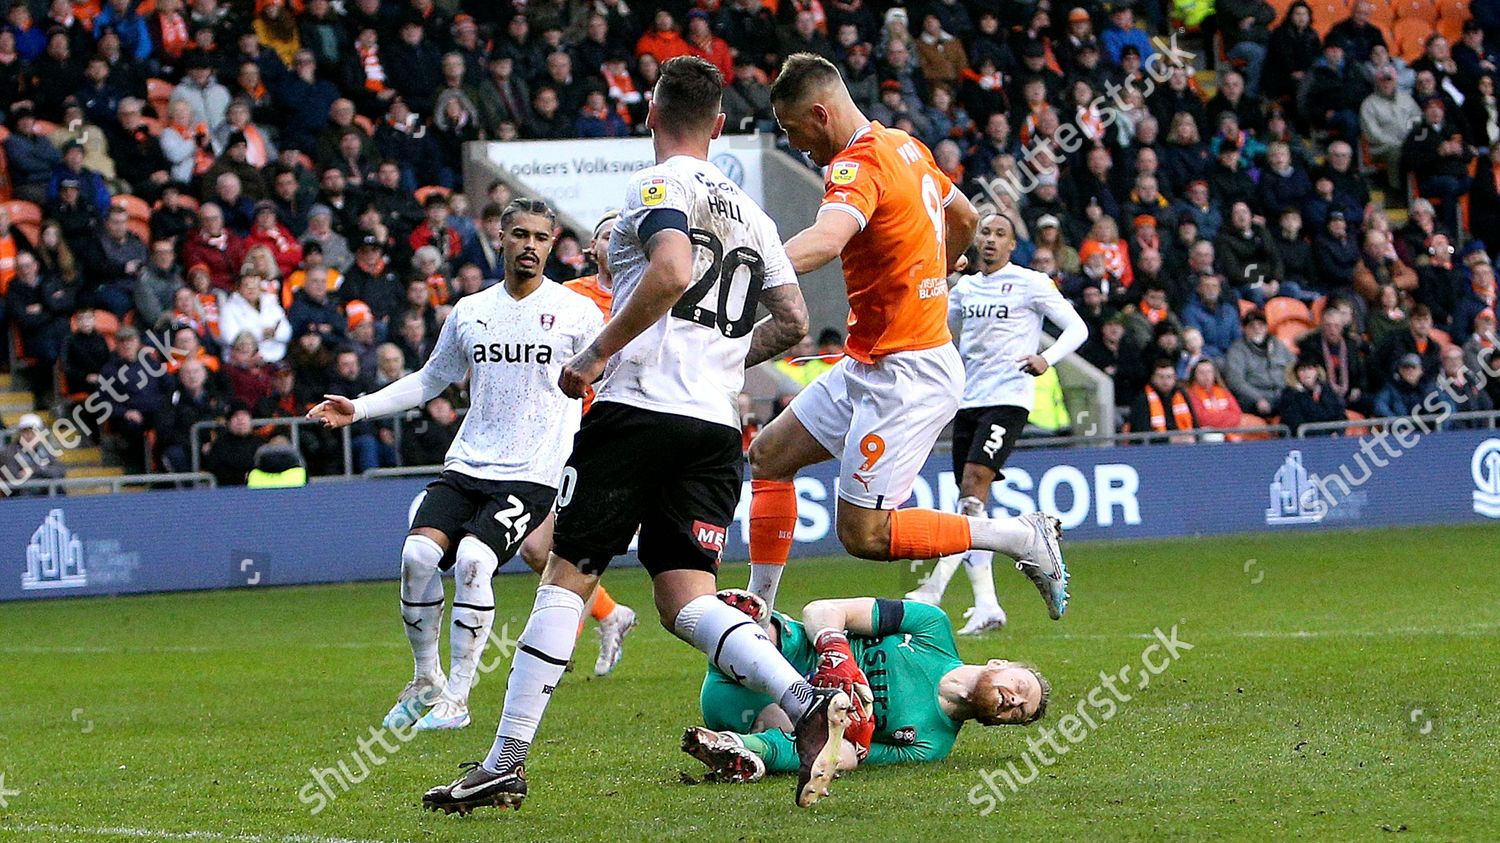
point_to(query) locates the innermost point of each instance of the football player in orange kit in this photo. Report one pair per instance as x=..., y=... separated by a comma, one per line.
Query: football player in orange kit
x=900, y=226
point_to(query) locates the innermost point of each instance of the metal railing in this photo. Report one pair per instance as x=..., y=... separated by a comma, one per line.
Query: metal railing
x=198, y=479
x=405, y=471
x=1490, y=419
x=1198, y=434
x=195, y=440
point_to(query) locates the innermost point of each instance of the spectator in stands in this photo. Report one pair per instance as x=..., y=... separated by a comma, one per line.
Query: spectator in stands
x=1332, y=90
x=1416, y=340
x=1248, y=257
x=185, y=346
x=156, y=285
x=313, y=310
x=30, y=157
x=1440, y=282
x=114, y=263
x=172, y=218
x=1212, y=402
x=1141, y=320
x=1478, y=298
x=1163, y=406
x=267, y=231
x=1197, y=207
x=1461, y=388
x=426, y=442
x=1308, y=399
x=1379, y=266
x=1216, y=317
x=1479, y=353
x=136, y=394
x=231, y=455
x=1297, y=264
x=248, y=374
x=39, y=308
x=1191, y=352
x=1113, y=352
x=1386, y=117
x=1256, y=365
x=27, y=457
x=84, y=354
x=202, y=92
x=413, y=339
x=1435, y=152
x=251, y=310
x=1340, y=353
x=1336, y=255
x=329, y=243
x=374, y=447
x=1406, y=391
x=215, y=246
x=191, y=402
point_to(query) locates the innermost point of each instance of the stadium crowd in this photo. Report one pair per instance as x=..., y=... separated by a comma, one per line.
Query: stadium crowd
x=267, y=190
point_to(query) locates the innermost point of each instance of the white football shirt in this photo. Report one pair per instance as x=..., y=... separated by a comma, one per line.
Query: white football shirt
x=997, y=318
x=520, y=425
x=692, y=361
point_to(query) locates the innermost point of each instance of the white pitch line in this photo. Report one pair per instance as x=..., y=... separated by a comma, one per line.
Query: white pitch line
x=157, y=834
x=51, y=649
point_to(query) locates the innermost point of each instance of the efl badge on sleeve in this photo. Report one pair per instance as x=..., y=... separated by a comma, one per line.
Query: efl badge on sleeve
x=844, y=172
x=653, y=191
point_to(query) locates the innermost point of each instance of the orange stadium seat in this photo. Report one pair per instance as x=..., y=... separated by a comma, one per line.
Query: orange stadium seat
x=188, y=202
x=1249, y=420
x=1316, y=310
x=1281, y=7
x=1451, y=28
x=1290, y=331
x=1423, y=10
x=135, y=206
x=1354, y=415
x=1327, y=14
x=1453, y=9
x=1410, y=38
x=365, y=124
x=1245, y=307
x=1283, y=308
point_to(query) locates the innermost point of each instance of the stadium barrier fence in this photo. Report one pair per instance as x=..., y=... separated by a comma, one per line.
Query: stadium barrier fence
x=1489, y=419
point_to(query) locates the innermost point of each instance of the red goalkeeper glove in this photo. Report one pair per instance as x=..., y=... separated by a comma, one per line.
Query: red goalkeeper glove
x=837, y=668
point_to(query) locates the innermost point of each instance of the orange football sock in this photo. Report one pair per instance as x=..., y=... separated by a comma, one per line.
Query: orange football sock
x=603, y=604
x=773, y=518
x=927, y=533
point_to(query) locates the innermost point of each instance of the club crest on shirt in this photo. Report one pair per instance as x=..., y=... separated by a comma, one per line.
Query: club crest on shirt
x=548, y=320
x=844, y=172
x=653, y=191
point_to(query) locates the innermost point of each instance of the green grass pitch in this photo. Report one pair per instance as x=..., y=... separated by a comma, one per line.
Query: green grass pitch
x=1340, y=686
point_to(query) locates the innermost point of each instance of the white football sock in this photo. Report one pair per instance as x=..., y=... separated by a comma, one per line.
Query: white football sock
x=542, y=654
x=936, y=581
x=1004, y=535
x=978, y=563
x=473, y=613
x=742, y=650
x=978, y=566
x=422, y=600
x=764, y=580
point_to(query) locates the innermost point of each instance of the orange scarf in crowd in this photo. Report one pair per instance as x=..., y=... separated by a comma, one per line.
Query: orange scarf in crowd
x=438, y=289
x=174, y=34
x=1182, y=414
x=202, y=158
x=7, y=262
x=369, y=57
x=1153, y=314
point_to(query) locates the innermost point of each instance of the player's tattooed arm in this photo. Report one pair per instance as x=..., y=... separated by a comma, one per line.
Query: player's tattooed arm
x=782, y=329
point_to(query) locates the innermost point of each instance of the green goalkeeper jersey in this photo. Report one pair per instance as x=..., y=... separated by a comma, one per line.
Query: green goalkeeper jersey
x=912, y=650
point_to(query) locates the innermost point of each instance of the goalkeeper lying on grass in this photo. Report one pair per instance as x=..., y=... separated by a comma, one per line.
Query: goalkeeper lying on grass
x=897, y=656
